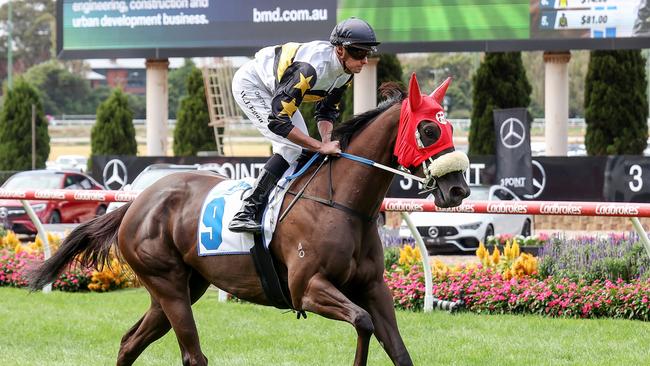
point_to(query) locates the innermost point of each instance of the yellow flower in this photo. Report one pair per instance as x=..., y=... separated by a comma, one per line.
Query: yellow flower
x=507, y=252
x=417, y=255
x=516, y=251
x=481, y=252
x=10, y=240
x=496, y=255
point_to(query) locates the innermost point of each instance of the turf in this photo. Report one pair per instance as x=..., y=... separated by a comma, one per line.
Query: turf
x=85, y=329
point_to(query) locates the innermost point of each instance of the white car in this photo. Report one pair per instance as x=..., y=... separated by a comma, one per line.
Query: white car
x=69, y=162
x=150, y=175
x=453, y=232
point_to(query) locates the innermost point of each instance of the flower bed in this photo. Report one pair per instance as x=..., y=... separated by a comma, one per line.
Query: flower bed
x=486, y=291
x=595, y=258
x=17, y=258
x=512, y=282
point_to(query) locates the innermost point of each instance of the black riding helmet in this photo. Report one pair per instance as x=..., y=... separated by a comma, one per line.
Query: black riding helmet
x=354, y=32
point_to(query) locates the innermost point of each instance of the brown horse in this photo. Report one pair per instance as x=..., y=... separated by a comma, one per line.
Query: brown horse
x=338, y=273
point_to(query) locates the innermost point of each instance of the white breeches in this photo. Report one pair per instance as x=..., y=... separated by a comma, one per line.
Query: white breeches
x=255, y=100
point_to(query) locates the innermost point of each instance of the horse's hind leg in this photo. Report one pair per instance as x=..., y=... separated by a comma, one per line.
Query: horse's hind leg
x=150, y=327
x=322, y=297
x=153, y=325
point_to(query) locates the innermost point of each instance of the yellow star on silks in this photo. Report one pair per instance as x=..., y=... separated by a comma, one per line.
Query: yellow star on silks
x=289, y=108
x=303, y=85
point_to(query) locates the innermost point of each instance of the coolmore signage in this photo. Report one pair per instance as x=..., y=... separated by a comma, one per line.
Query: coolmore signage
x=514, y=163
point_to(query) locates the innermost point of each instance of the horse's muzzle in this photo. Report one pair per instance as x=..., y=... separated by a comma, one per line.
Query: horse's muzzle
x=452, y=189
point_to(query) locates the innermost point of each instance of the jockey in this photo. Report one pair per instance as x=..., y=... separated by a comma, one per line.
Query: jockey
x=271, y=87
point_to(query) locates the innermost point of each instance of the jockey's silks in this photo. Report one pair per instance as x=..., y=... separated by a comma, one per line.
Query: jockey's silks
x=416, y=109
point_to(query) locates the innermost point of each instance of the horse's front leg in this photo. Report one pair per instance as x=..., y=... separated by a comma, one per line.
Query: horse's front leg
x=379, y=303
x=322, y=297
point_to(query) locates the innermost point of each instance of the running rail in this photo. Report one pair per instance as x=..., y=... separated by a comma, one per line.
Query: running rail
x=558, y=208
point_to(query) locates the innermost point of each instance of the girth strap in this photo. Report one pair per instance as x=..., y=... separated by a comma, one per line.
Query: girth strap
x=330, y=202
x=337, y=206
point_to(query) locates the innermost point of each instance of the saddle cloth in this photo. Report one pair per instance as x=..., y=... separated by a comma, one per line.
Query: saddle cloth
x=222, y=203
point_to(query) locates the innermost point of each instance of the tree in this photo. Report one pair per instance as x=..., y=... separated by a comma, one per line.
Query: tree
x=193, y=133
x=616, y=104
x=16, y=129
x=500, y=82
x=535, y=70
x=433, y=69
x=113, y=132
x=33, y=33
x=178, y=85
x=62, y=91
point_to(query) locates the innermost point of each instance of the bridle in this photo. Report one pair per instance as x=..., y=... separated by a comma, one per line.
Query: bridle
x=429, y=182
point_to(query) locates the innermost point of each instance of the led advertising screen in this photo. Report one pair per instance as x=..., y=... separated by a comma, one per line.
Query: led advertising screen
x=166, y=28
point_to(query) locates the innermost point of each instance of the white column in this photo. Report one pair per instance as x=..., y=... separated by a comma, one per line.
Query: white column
x=365, y=87
x=157, y=100
x=556, y=102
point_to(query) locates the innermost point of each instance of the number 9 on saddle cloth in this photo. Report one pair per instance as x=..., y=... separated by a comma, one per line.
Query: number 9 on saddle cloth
x=224, y=201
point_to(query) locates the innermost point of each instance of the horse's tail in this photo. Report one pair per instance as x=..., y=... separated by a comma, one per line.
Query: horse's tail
x=90, y=243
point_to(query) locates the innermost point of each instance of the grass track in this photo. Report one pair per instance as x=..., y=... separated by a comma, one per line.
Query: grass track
x=85, y=329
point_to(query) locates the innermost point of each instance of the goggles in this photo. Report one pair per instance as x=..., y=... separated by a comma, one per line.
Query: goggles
x=358, y=53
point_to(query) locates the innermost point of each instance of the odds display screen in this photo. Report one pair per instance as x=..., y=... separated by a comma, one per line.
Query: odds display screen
x=166, y=28
x=590, y=19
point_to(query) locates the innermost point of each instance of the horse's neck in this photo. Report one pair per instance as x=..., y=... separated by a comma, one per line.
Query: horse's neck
x=360, y=186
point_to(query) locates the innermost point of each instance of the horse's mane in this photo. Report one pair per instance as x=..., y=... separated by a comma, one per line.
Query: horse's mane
x=392, y=92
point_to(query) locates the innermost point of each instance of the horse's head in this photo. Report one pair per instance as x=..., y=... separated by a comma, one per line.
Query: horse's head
x=425, y=142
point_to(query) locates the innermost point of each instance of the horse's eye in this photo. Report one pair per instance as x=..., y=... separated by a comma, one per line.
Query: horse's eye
x=430, y=132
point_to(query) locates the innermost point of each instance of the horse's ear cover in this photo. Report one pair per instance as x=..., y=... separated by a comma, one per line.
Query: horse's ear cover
x=417, y=108
x=439, y=94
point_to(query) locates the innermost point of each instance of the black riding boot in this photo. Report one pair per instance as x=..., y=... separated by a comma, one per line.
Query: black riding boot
x=249, y=217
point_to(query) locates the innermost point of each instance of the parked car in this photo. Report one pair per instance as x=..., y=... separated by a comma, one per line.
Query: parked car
x=14, y=217
x=69, y=162
x=150, y=175
x=444, y=232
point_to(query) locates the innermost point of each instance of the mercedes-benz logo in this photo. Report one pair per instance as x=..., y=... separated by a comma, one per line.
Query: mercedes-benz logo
x=539, y=180
x=115, y=174
x=512, y=132
x=433, y=231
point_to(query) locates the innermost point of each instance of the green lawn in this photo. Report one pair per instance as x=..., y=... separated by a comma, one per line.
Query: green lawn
x=85, y=329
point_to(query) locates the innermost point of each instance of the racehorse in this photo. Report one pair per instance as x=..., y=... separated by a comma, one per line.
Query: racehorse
x=331, y=258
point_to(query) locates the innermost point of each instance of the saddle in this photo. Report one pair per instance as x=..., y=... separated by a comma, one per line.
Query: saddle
x=222, y=203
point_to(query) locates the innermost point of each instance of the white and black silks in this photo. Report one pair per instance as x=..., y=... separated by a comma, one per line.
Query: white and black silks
x=300, y=72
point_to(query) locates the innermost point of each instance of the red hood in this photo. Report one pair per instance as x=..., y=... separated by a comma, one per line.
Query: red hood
x=415, y=109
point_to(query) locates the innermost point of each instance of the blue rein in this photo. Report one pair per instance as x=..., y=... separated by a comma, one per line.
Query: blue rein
x=311, y=160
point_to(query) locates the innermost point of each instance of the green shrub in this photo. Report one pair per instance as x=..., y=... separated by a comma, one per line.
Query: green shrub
x=113, y=133
x=616, y=103
x=16, y=129
x=391, y=257
x=500, y=82
x=193, y=132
